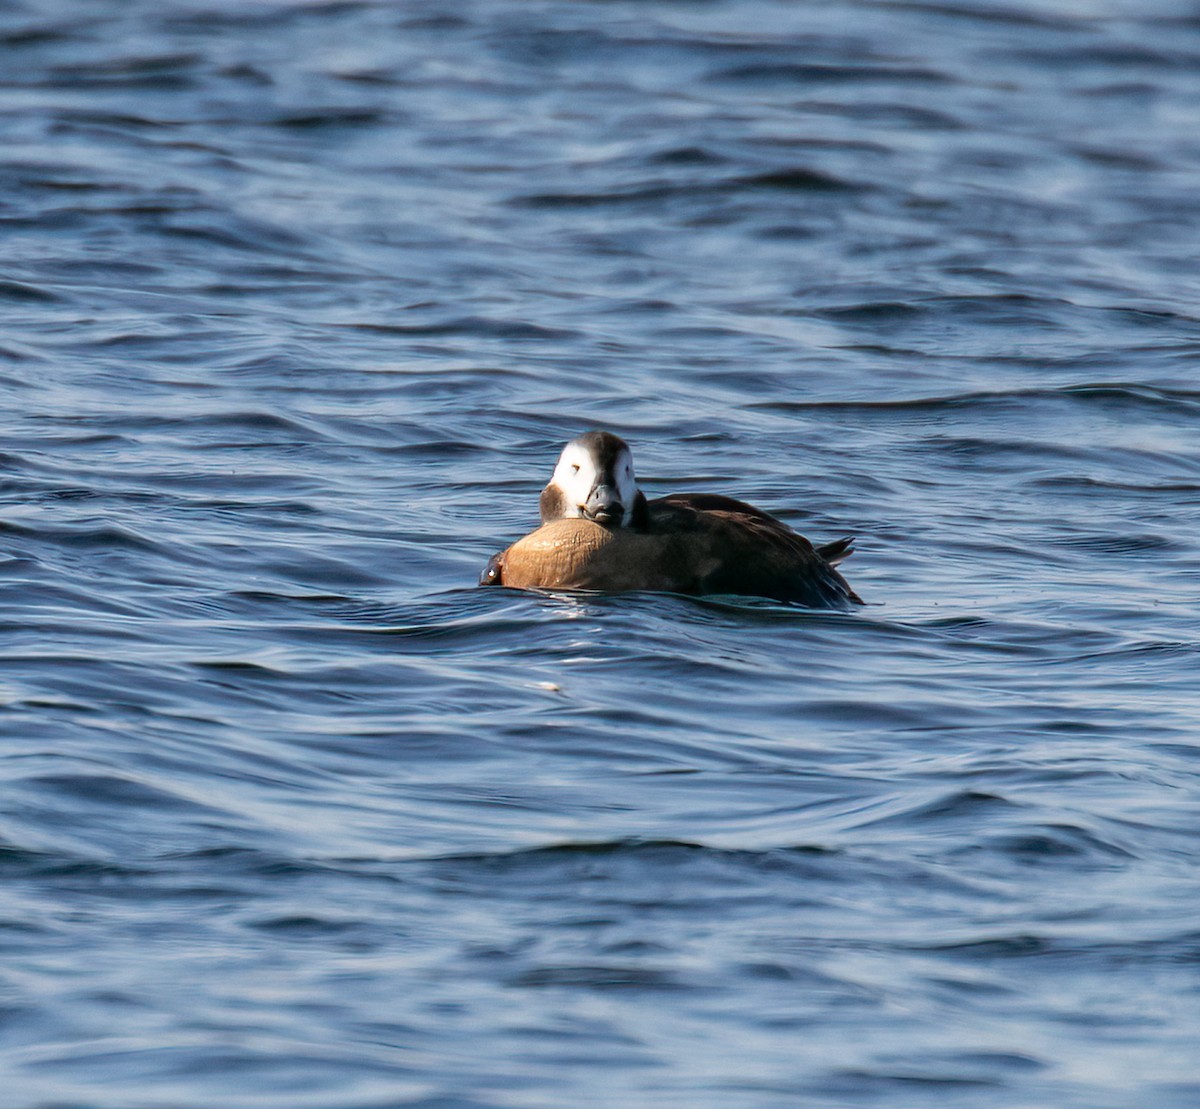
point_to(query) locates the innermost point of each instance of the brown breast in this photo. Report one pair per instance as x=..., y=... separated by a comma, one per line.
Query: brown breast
x=578, y=554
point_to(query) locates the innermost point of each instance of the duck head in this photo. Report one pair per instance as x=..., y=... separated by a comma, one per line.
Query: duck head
x=594, y=480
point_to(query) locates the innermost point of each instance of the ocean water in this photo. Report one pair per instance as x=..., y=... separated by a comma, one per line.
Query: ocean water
x=299, y=302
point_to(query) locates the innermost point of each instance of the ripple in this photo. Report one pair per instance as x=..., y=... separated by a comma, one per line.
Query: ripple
x=19, y=291
x=799, y=180
x=815, y=74
x=469, y=325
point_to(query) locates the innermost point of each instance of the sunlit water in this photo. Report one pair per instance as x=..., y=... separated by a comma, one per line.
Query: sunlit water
x=299, y=303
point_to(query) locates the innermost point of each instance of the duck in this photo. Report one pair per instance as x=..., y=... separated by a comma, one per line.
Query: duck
x=600, y=532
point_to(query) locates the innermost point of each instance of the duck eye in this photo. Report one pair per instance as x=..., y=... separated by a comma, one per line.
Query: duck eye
x=575, y=468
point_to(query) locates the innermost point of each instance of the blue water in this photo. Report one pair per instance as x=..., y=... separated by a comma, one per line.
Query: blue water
x=298, y=303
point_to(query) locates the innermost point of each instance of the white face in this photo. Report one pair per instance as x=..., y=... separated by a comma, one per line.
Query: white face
x=625, y=482
x=575, y=475
x=578, y=473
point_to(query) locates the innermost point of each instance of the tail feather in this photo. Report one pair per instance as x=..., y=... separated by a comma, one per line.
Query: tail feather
x=839, y=549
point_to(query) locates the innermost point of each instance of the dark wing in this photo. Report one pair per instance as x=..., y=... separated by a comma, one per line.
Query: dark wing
x=833, y=553
x=754, y=553
x=713, y=502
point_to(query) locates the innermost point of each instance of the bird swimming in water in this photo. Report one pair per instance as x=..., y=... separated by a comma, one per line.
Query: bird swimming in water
x=600, y=532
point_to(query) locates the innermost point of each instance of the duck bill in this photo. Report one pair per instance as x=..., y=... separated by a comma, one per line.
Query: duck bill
x=603, y=506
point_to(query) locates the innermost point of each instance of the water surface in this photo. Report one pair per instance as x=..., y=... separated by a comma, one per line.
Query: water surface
x=299, y=302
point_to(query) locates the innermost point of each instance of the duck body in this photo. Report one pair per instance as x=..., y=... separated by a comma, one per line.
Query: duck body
x=691, y=543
